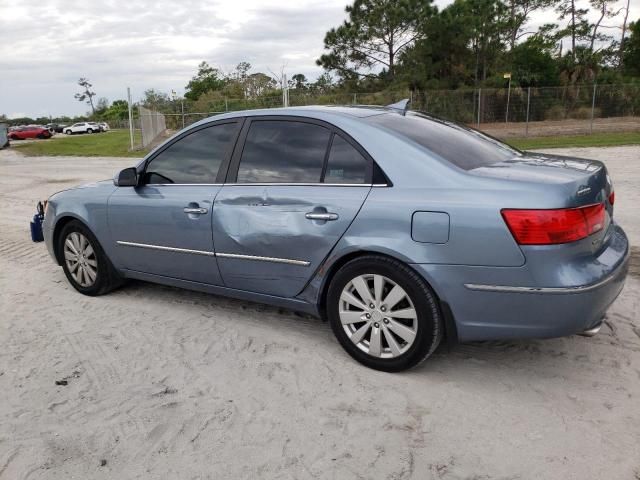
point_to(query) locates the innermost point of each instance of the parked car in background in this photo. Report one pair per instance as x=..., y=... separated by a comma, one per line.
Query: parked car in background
x=32, y=131
x=397, y=227
x=82, y=127
x=96, y=126
x=104, y=126
x=55, y=127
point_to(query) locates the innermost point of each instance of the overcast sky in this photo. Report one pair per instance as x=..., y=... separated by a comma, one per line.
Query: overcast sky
x=44, y=49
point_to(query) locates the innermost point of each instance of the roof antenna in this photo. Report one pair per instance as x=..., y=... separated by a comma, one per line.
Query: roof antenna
x=402, y=106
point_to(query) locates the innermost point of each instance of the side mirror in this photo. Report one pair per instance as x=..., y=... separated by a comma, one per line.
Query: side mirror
x=126, y=178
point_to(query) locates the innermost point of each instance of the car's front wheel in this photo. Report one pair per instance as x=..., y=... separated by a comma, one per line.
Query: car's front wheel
x=383, y=313
x=85, y=264
x=67, y=132
x=89, y=130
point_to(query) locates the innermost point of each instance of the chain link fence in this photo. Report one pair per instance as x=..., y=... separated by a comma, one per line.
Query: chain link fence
x=502, y=112
x=152, y=125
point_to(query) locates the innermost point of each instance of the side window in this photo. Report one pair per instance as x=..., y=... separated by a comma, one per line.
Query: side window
x=345, y=164
x=195, y=158
x=279, y=151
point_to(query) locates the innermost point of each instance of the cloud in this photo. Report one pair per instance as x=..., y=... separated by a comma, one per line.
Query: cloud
x=116, y=43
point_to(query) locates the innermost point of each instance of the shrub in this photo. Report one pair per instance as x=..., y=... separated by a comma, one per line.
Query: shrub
x=557, y=112
x=584, y=113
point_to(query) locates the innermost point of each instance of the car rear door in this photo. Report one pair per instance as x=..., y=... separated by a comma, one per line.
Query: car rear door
x=294, y=187
x=163, y=226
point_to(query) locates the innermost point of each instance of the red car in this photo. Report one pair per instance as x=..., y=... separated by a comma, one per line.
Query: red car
x=22, y=133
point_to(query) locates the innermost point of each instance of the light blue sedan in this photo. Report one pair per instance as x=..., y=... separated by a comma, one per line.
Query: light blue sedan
x=399, y=228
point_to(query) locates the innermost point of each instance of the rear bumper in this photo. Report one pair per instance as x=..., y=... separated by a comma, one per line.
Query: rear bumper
x=491, y=303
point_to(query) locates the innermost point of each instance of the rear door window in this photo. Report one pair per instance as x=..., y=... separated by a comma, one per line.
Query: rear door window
x=345, y=164
x=283, y=151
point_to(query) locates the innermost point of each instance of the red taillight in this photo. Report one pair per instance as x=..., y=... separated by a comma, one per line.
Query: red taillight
x=612, y=198
x=548, y=227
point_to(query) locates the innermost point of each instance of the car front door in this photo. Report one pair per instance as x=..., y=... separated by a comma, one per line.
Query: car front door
x=292, y=190
x=163, y=226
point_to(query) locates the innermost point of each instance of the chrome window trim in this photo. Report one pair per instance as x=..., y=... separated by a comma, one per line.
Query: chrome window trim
x=166, y=249
x=266, y=184
x=183, y=184
x=288, y=261
x=308, y=184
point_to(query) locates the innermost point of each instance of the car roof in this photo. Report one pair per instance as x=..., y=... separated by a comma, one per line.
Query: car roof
x=320, y=112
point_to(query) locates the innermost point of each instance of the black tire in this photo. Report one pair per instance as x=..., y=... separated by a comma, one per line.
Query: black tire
x=89, y=130
x=107, y=278
x=429, y=319
x=68, y=132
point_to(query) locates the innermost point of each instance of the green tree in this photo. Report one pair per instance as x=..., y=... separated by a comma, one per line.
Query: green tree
x=86, y=95
x=532, y=63
x=631, y=54
x=257, y=84
x=207, y=79
x=118, y=110
x=156, y=100
x=488, y=24
x=375, y=34
x=519, y=13
x=299, y=81
x=605, y=10
x=101, y=106
x=577, y=27
x=441, y=58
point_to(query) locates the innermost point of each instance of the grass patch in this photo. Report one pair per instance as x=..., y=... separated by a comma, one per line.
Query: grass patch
x=611, y=139
x=114, y=143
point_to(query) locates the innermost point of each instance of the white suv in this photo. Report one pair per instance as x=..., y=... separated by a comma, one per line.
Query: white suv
x=82, y=127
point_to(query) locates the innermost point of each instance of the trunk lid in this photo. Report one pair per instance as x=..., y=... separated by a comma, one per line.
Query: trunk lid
x=586, y=181
x=573, y=182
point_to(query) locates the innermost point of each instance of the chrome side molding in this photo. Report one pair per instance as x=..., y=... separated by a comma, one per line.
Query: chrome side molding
x=166, y=249
x=288, y=261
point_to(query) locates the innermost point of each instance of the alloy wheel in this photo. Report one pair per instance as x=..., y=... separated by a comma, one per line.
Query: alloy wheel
x=378, y=316
x=80, y=259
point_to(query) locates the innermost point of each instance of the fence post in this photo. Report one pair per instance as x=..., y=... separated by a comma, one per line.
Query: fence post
x=130, y=116
x=182, y=107
x=355, y=98
x=479, y=103
x=526, y=128
x=226, y=105
x=593, y=106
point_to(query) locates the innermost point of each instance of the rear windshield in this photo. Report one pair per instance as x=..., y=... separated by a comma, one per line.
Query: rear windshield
x=464, y=147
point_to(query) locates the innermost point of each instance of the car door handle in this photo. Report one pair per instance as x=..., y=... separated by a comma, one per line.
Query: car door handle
x=195, y=211
x=321, y=216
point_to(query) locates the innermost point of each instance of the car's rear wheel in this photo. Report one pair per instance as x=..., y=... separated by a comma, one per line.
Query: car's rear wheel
x=89, y=130
x=67, y=132
x=85, y=264
x=383, y=313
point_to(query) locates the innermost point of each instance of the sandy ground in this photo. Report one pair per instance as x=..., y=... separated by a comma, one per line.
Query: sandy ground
x=561, y=127
x=163, y=383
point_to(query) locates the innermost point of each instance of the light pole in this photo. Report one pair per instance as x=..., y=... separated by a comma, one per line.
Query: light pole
x=506, y=116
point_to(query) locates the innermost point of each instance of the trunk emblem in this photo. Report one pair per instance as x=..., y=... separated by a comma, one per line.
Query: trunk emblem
x=583, y=190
